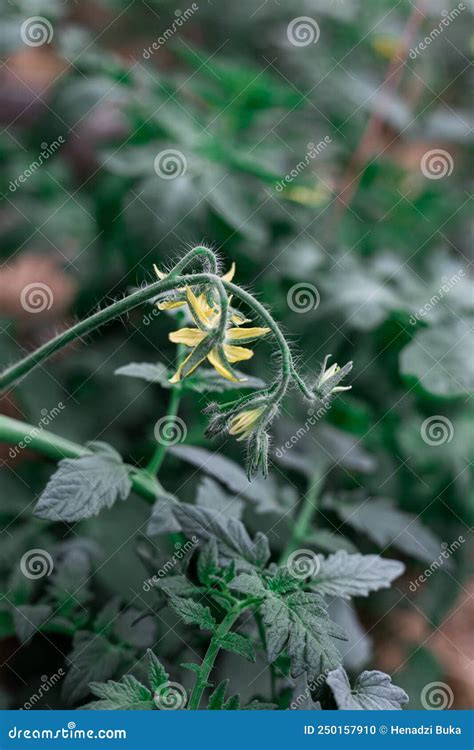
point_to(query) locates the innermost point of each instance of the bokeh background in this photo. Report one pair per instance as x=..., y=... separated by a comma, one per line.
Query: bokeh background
x=375, y=224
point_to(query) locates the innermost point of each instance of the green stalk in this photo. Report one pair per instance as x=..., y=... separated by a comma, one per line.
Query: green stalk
x=154, y=465
x=304, y=518
x=14, y=431
x=207, y=665
x=263, y=640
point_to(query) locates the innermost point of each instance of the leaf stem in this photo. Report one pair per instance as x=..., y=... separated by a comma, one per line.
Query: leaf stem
x=15, y=432
x=207, y=665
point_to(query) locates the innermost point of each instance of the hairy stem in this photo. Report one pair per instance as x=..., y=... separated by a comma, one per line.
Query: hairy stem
x=86, y=326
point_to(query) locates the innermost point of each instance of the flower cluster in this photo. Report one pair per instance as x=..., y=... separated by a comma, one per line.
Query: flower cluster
x=218, y=333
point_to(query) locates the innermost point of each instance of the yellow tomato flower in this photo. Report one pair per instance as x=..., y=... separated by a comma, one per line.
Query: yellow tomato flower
x=243, y=424
x=208, y=318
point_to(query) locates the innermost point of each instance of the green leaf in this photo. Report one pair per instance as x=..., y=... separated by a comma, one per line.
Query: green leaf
x=259, y=491
x=69, y=584
x=441, y=358
x=152, y=373
x=354, y=575
x=93, y=658
x=257, y=705
x=162, y=519
x=217, y=698
x=193, y=613
x=249, y=583
x=211, y=495
x=28, y=619
x=231, y=535
x=301, y=699
x=126, y=695
x=135, y=627
x=207, y=380
x=203, y=380
x=372, y=691
x=177, y=586
x=299, y=623
x=238, y=644
x=208, y=562
x=82, y=487
x=329, y=541
x=232, y=704
x=157, y=674
x=383, y=522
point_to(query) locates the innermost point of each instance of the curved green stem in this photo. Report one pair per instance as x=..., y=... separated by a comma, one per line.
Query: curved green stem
x=86, y=326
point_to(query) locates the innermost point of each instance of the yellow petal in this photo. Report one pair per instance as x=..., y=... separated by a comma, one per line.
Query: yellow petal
x=188, y=336
x=199, y=306
x=170, y=304
x=219, y=366
x=212, y=313
x=159, y=273
x=243, y=422
x=237, y=353
x=235, y=334
x=238, y=319
x=230, y=273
